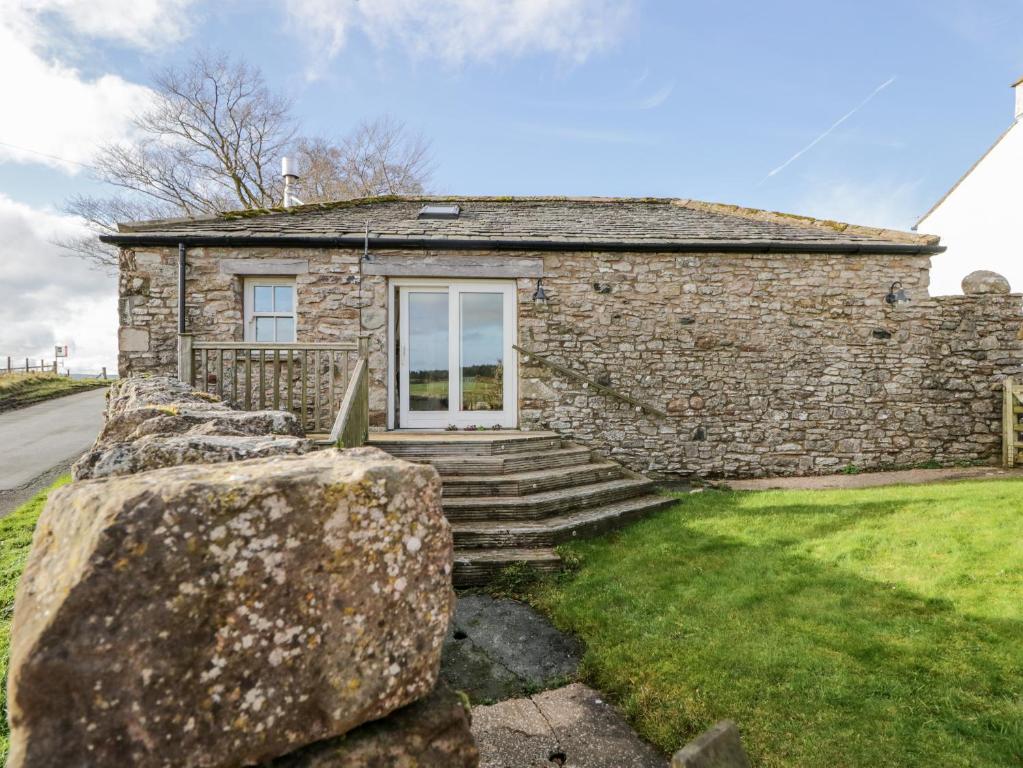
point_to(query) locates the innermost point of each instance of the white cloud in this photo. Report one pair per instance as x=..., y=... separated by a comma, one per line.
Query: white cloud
x=55, y=111
x=50, y=298
x=658, y=97
x=456, y=31
x=52, y=107
x=136, y=24
x=49, y=105
x=881, y=203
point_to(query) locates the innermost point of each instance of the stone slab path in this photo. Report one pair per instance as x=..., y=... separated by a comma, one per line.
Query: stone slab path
x=570, y=726
x=500, y=650
x=874, y=479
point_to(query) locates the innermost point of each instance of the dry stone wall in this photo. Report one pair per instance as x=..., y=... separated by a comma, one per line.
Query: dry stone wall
x=765, y=364
x=223, y=613
x=768, y=365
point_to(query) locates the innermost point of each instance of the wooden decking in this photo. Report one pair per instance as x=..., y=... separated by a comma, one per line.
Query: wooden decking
x=512, y=496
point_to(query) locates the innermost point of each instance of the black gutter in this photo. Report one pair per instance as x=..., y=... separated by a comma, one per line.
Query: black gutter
x=181, y=287
x=129, y=239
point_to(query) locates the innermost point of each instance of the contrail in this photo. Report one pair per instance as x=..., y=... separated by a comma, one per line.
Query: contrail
x=826, y=133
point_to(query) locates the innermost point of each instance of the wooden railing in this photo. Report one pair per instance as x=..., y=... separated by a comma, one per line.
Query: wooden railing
x=590, y=383
x=1012, y=428
x=306, y=379
x=351, y=427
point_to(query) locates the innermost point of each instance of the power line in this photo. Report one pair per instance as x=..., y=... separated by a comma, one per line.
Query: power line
x=44, y=154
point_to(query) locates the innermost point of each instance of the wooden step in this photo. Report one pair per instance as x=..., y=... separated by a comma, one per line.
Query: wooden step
x=498, y=534
x=528, y=461
x=536, y=506
x=521, y=483
x=474, y=567
x=412, y=446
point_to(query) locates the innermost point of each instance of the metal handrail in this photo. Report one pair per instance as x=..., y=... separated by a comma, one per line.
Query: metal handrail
x=591, y=383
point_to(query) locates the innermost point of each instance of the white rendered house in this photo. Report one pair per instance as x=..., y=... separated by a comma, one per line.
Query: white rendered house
x=980, y=219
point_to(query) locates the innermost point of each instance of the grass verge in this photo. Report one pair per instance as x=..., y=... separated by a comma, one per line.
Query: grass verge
x=15, y=540
x=869, y=627
x=18, y=390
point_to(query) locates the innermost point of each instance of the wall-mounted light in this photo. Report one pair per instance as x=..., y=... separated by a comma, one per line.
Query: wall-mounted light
x=896, y=295
x=540, y=295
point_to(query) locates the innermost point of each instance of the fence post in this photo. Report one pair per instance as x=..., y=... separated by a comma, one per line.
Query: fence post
x=185, y=358
x=9, y=368
x=55, y=366
x=104, y=373
x=1008, y=424
x=26, y=365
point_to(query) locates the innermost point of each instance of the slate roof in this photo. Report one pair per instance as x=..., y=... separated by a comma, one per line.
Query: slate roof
x=528, y=223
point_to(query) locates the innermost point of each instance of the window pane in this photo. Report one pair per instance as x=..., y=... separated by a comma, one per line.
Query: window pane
x=482, y=328
x=282, y=299
x=264, y=329
x=262, y=298
x=285, y=329
x=428, y=351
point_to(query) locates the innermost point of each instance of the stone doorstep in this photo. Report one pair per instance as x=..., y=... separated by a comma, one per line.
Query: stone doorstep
x=570, y=726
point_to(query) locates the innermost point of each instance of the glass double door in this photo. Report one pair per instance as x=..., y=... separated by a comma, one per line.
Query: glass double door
x=457, y=365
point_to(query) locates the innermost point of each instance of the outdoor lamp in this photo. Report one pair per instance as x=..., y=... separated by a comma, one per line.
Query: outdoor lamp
x=896, y=295
x=539, y=295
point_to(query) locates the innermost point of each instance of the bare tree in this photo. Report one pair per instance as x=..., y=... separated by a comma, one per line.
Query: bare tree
x=380, y=157
x=209, y=141
x=212, y=141
x=102, y=214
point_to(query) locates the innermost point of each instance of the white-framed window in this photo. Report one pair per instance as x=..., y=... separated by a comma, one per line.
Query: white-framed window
x=270, y=309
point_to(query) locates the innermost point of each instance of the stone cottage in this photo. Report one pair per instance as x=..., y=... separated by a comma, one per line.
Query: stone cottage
x=679, y=338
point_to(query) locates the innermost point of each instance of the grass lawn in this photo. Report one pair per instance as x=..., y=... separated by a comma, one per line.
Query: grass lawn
x=15, y=540
x=20, y=389
x=874, y=627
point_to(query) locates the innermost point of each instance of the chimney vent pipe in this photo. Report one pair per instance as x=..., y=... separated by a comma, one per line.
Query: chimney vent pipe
x=289, y=170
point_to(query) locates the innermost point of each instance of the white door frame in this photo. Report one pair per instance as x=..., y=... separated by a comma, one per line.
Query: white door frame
x=508, y=417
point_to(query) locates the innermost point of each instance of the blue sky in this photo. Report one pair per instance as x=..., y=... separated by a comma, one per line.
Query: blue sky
x=585, y=97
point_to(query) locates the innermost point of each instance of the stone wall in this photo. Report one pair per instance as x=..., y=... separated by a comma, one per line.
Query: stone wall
x=198, y=610
x=765, y=364
x=768, y=364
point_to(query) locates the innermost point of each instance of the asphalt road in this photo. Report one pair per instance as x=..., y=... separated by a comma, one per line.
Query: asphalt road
x=39, y=441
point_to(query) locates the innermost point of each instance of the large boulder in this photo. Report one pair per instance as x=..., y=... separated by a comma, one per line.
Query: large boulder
x=158, y=451
x=224, y=615
x=142, y=391
x=984, y=281
x=144, y=407
x=435, y=732
x=178, y=419
x=115, y=450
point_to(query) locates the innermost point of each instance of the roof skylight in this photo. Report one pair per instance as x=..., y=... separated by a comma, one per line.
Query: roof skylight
x=439, y=211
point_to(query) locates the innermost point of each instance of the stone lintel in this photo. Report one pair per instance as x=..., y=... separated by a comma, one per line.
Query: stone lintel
x=264, y=266
x=448, y=265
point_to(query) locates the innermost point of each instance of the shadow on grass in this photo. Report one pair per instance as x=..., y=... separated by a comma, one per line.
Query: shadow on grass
x=818, y=666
